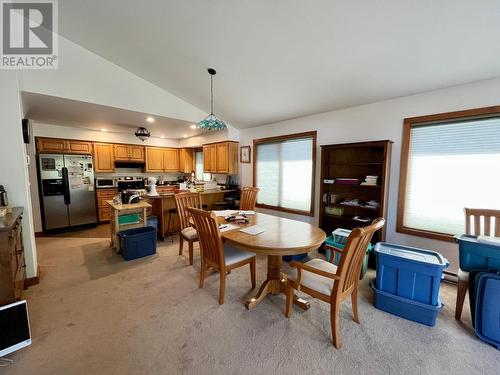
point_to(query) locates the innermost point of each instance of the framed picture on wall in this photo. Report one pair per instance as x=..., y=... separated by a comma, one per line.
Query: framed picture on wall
x=245, y=154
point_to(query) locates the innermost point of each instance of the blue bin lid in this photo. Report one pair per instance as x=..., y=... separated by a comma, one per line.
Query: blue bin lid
x=411, y=253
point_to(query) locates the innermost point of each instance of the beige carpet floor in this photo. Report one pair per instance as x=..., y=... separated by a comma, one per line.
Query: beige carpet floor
x=94, y=313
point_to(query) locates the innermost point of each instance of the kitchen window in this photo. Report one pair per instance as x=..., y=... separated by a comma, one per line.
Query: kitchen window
x=284, y=171
x=199, y=174
x=449, y=161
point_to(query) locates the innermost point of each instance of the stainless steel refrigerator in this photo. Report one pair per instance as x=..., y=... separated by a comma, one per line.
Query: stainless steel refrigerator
x=66, y=191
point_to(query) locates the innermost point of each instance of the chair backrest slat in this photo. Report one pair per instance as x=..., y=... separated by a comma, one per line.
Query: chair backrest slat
x=352, y=257
x=248, y=198
x=475, y=214
x=209, y=237
x=183, y=201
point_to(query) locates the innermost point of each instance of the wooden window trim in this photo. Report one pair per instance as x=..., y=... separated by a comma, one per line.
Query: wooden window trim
x=280, y=138
x=405, y=147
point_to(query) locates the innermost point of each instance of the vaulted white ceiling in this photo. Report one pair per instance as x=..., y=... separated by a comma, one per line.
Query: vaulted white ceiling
x=280, y=59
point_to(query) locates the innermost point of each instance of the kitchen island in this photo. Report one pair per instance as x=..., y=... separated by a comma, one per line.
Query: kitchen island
x=162, y=203
x=118, y=210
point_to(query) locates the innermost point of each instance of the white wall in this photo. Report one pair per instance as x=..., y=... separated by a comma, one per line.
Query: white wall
x=83, y=75
x=13, y=171
x=379, y=121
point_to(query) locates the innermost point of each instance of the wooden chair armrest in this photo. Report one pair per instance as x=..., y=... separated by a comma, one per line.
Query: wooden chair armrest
x=305, y=267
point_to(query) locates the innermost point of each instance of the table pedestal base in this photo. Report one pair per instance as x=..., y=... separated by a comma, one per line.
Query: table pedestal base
x=274, y=284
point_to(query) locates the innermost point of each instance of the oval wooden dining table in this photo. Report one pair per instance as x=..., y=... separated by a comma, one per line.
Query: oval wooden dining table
x=280, y=237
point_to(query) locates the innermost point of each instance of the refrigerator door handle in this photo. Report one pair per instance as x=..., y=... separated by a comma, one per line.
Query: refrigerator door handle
x=65, y=180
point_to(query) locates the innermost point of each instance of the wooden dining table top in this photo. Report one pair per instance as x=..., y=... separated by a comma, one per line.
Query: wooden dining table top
x=281, y=236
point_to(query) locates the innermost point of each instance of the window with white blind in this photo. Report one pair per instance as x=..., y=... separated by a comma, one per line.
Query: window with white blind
x=284, y=172
x=450, y=164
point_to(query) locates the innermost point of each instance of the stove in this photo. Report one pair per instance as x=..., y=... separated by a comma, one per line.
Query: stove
x=129, y=182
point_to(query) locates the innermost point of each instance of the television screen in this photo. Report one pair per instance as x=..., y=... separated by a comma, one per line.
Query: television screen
x=14, y=327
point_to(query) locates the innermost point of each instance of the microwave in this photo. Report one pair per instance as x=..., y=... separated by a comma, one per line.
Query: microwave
x=105, y=183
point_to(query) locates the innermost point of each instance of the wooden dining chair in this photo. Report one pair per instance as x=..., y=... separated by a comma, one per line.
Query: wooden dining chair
x=248, y=198
x=329, y=283
x=188, y=233
x=476, y=227
x=215, y=254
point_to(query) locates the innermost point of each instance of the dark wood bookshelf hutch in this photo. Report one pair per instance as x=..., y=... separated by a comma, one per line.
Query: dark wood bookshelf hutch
x=357, y=161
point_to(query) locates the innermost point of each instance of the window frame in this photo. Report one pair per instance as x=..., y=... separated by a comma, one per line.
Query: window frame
x=408, y=124
x=281, y=138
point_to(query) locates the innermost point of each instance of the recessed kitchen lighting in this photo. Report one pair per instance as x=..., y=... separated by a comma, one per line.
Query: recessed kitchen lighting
x=104, y=130
x=185, y=135
x=150, y=119
x=193, y=126
x=162, y=136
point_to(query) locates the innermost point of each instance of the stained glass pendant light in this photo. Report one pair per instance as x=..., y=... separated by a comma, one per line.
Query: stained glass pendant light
x=211, y=122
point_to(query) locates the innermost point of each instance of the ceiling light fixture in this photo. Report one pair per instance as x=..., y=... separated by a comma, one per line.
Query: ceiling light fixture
x=104, y=130
x=150, y=119
x=211, y=122
x=193, y=126
x=142, y=133
x=162, y=136
x=185, y=135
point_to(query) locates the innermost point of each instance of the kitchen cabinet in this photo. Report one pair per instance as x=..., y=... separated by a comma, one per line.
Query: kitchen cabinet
x=104, y=160
x=129, y=153
x=171, y=159
x=103, y=209
x=63, y=146
x=154, y=159
x=210, y=158
x=221, y=157
x=186, y=160
x=12, y=264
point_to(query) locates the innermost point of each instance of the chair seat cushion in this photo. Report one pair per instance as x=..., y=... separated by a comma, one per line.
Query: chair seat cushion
x=232, y=255
x=315, y=282
x=463, y=275
x=189, y=234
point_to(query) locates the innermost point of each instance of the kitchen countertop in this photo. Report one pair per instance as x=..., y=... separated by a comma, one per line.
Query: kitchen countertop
x=128, y=206
x=168, y=195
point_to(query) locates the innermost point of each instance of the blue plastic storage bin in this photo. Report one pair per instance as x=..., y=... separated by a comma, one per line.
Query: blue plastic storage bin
x=153, y=221
x=406, y=308
x=137, y=243
x=475, y=255
x=409, y=272
x=336, y=256
x=289, y=258
x=487, y=314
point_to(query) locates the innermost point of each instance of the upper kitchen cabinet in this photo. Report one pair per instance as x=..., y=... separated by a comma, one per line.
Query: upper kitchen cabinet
x=129, y=153
x=210, y=158
x=104, y=160
x=171, y=160
x=154, y=159
x=62, y=146
x=186, y=160
x=221, y=157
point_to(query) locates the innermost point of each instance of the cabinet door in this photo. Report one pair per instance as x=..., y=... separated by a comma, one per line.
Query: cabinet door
x=213, y=158
x=104, y=160
x=122, y=152
x=136, y=153
x=233, y=157
x=171, y=159
x=50, y=145
x=154, y=159
x=186, y=160
x=222, y=157
x=79, y=147
x=206, y=159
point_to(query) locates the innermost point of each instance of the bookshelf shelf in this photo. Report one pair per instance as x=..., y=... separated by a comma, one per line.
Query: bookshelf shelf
x=355, y=160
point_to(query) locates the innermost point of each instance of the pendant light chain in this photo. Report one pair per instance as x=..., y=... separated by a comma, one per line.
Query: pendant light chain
x=211, y=94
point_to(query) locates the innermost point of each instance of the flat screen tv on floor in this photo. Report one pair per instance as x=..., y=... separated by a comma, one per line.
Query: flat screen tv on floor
x=14, y=327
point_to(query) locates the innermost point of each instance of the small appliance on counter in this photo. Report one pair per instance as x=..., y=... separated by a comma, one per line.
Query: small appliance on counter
x=152, y=187
x=101, y=183
x=4, y=202
x=131, y=196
